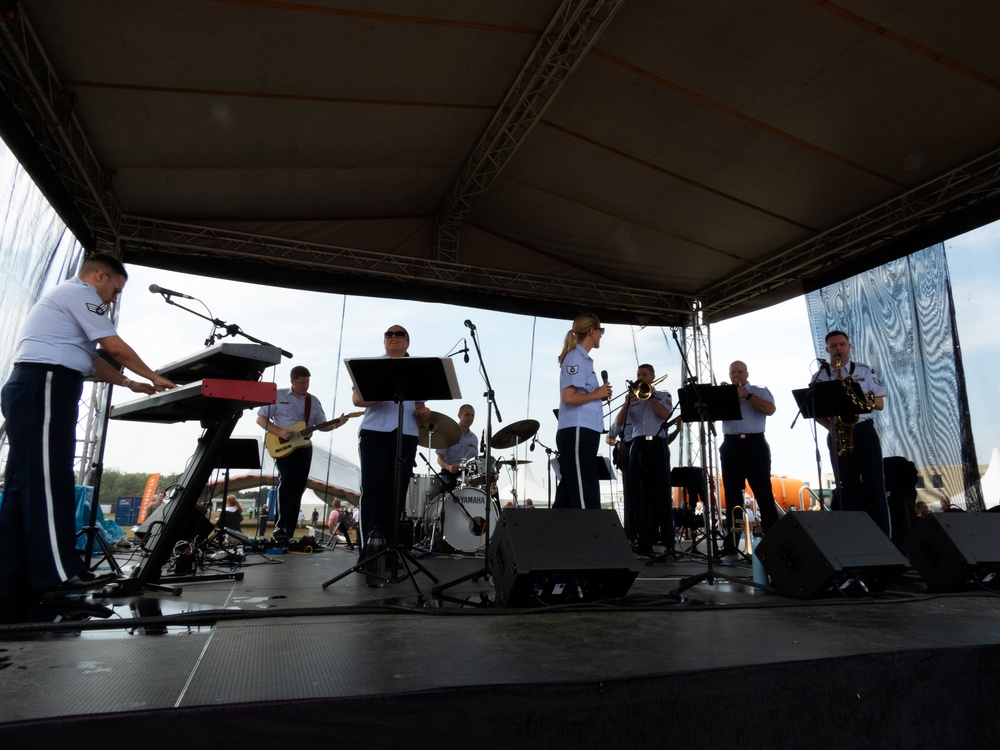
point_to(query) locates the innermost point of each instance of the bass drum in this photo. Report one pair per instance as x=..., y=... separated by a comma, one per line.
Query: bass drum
x=463, y=519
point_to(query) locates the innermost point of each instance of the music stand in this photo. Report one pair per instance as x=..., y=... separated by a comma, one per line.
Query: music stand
x=707, y=404
x=400, y=379
x=829, y=398
x=239, y=453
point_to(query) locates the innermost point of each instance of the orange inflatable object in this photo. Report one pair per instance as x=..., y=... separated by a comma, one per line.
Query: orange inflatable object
x=788, y=491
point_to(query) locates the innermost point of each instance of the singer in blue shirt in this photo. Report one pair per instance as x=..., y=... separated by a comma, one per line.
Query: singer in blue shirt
x=581, y=416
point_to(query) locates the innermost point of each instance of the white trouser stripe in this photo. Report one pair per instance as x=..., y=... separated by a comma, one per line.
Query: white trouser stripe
x=579, y=473
x=46, y=470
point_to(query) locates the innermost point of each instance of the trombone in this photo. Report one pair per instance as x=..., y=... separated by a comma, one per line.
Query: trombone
x=643, y=390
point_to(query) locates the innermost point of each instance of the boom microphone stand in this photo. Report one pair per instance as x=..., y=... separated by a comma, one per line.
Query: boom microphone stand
x=491, y=406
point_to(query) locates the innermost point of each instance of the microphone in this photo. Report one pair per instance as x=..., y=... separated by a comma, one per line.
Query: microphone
x=168, y=292
x=466, y=350
x=533, y=441
x=604, y=377
x=468, y=324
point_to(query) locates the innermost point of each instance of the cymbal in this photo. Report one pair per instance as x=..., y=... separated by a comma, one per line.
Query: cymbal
x=440, y=430
x=508, y=462
x=515, y=433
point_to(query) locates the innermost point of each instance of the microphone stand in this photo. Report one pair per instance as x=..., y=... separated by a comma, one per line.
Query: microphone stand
x=231, y=328
x=815, y=436
x=491, y=406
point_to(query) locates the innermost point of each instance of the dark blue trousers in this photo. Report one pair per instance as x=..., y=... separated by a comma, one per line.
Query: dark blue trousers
x=860, y=476
x=579, y=486
x=748, y=460
x=38, y=514
x=293, y=471
x=379, y=506
x=649, y=479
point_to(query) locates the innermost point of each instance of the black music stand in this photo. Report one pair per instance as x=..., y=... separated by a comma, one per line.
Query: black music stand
x=400, y=379
x=829, y=398
x=707, y=404
x=240, y=453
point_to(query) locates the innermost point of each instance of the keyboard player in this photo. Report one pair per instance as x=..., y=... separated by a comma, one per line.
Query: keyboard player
x=57, y=348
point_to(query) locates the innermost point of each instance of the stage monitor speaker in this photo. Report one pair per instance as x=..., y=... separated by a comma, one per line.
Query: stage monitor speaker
x=809, y=553
x=540, y=557
x=950, y=550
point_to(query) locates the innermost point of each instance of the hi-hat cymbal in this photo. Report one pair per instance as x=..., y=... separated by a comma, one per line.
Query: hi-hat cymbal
x=515, y=433
x=509, y=461
x=439, y=430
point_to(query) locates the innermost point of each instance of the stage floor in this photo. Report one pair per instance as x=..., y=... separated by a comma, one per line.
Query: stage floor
x=278, y=638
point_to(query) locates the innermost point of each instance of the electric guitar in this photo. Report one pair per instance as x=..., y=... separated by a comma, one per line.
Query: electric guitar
x=279, y=447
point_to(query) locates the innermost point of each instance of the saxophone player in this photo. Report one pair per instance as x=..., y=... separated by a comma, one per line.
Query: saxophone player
x=855, y=451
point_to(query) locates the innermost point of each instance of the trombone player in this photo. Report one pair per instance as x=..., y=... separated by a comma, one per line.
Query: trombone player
x=745, y=454
x=647, y=412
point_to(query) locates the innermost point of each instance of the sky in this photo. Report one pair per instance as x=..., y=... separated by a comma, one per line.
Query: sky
x=518, y=354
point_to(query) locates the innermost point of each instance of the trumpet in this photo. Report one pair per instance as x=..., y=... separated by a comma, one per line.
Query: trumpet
x=641, y=389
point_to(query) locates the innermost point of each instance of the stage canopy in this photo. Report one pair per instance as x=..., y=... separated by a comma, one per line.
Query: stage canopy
x=535, y=156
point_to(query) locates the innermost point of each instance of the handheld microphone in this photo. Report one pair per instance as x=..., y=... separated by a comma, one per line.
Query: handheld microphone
x=604, y=377
x=468, y=324
x=466, y=351
x=168, y=292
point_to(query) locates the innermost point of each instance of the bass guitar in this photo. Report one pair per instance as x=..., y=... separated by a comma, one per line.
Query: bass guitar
x=301, y=437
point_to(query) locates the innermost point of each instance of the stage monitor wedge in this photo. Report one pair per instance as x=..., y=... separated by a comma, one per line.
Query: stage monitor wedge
x=541, y=557
x=809, y=553
x=951, y=550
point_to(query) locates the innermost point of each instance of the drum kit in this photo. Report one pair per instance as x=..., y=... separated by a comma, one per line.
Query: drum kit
x=454, y=520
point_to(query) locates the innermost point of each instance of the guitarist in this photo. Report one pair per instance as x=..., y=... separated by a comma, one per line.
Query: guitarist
x=293, y=405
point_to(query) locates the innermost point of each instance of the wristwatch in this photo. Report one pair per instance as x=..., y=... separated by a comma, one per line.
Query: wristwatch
x=126, y=382
x=748, y=396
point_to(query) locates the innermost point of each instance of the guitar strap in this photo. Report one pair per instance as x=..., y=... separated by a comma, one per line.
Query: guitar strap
x=309, y=403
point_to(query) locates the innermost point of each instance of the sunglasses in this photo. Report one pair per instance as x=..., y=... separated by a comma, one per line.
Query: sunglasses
x=397, y=334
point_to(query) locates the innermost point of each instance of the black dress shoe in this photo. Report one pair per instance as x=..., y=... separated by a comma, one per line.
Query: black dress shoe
x=727, y=551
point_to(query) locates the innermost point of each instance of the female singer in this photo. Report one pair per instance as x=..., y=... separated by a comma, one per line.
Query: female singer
x=377, y=450
x=581, y=419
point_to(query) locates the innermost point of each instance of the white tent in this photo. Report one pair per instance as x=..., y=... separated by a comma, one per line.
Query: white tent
x=990, y=482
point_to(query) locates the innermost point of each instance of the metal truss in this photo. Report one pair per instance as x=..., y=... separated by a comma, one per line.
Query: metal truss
x=47, y=110
x=953, y=192
x=140, y=235
x=696, y=340
x=573, y=30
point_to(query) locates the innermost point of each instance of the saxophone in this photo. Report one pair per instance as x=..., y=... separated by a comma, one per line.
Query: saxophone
x=845, y=424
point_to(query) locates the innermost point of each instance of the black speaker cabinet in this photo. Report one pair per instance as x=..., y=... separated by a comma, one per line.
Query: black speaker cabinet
x=197, y=525
x=952, y=549
x=807, y=553
x=540, y=557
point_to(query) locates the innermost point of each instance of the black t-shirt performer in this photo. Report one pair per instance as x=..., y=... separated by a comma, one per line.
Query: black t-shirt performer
x=57, y=348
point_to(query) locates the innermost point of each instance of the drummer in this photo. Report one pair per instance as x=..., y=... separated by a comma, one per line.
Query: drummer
x=450, y=459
